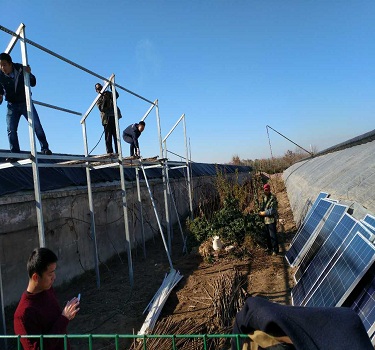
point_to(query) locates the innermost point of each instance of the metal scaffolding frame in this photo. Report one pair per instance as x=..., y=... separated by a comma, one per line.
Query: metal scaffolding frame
x=188, y=177
x=95, y=162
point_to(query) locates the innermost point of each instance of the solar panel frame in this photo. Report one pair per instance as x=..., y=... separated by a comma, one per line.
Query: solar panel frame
x=364, y=251
x=371, y=228
x=368, y=224
x=331, y=200
x=320, y=196
x=321, y=259
x=297, y=249
x=333, y=217
x=370, y=220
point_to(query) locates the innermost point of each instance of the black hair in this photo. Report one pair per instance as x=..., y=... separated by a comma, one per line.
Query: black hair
x=6, y=57
x=142, y=123
x=98, y=84
x=39, y=261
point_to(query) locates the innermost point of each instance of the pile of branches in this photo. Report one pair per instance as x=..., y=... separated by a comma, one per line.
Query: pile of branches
x=224, y=299
x=169, y=326
x=228, y=297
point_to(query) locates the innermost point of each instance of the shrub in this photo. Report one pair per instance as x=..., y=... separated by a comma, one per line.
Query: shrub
x=233, y=221
x=198, y=229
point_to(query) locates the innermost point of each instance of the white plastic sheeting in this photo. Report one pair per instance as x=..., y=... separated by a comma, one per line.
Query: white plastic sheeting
x=347, y=175
x=156, y=304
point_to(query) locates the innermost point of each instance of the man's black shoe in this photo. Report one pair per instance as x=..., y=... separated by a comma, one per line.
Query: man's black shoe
x=47, y=152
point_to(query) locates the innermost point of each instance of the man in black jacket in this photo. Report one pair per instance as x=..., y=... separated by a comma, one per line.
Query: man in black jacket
x=107, y=114
x=131, y=135
x=13, y=86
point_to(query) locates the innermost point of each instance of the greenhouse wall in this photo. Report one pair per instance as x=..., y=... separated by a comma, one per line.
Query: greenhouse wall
x=348, y=175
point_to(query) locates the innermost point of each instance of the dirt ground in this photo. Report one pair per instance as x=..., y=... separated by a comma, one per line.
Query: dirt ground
x=116, y=308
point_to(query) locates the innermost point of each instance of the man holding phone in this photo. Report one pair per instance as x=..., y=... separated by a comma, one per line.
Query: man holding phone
x=38, y=311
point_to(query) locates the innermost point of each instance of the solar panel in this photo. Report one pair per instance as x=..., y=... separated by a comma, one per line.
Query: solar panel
x=354, y=261
x=321, y=259
x=364, y=302
x=320, y=196
x=358, y=227
x=369, y=219
x=369, y=227
x=333, y=218
x=296, y=250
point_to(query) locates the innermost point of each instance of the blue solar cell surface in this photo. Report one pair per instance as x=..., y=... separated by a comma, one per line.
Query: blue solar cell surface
x=320, y=196
x=297, y=247
x=358, y=227
x=354, y=261
x=333, y=218
x=364, y=305
x=369, y=219
x=321, y=259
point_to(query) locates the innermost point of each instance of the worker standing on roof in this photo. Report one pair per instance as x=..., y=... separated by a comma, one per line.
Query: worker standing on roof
x=131, y=135
x=107, y=114
x=269, y=212
x=13, y=86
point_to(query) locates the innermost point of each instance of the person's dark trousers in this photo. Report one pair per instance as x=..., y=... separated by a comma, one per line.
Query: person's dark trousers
x=129, y=140
x=132, y=149
x=271, y=236
x=110, y=134
x=14, y=113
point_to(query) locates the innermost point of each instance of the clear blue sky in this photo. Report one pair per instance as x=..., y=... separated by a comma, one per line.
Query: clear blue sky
x=306, y=68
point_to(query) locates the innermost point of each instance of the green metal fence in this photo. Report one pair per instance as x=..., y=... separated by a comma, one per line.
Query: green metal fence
x=202, y=341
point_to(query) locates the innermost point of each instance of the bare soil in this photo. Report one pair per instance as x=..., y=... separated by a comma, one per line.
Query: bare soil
x=117, y=308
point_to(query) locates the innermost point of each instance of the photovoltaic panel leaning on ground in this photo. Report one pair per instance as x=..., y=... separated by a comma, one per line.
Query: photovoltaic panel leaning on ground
x=357, y=228
x=320, y=196
x=354, y=260
x=297, y=248
x=336, y=261
x=369, y=220
x=363, y=302
x=316, y=242
x=368, y=227
x=321, y=259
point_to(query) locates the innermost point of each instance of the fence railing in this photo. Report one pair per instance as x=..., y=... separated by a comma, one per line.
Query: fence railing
x=144, y=342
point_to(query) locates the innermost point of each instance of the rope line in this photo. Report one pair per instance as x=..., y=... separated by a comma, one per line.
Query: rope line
x=267, y=126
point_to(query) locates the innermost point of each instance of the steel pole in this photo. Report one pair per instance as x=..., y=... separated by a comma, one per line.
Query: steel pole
x=34, y=155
